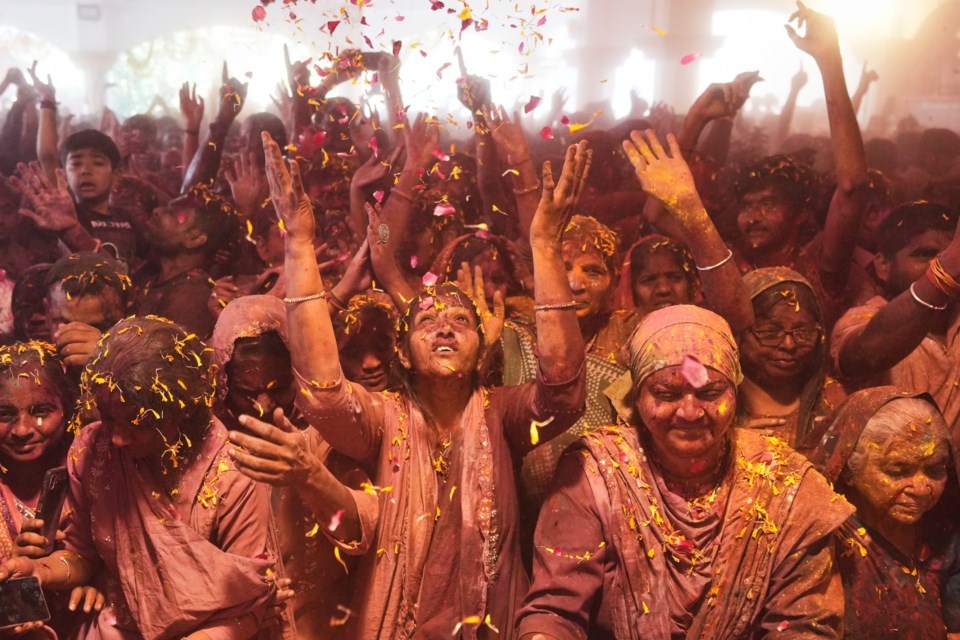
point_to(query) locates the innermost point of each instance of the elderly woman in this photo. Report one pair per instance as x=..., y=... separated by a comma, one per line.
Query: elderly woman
x=256, y=381
x=445, y=449
x=784, y=356
x=184, y=542
x=678, y=525
x=889, y=452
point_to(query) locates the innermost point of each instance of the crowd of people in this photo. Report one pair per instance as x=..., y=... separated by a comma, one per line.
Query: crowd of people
x=335, y=374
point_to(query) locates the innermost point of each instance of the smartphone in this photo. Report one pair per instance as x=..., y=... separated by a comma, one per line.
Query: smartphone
x=22, y=601
x=50, y=506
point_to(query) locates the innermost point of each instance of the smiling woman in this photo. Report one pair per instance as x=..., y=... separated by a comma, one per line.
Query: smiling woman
x=652, y=528
x=36, y=404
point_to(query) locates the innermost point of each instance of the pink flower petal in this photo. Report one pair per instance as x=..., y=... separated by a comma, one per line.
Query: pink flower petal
x=564, y=119
x=318, y=138
x=335, y=520
x=440, y=155
x=374, y=145
x=532, y=104
x=413, y=262
x=378, y=196
x=690, y=57
x=426, y=303
x=444, y=209
x=429, y=279
x=783, y=625
x=259, y=14
x=332, y=26
x=693, y=372
x=435, y=5
x=546, y=133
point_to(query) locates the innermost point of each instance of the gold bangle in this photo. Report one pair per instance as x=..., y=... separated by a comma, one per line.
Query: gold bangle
x=66, y=564
x=402, y=195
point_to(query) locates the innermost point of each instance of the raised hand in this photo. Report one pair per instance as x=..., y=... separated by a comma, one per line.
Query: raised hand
x=298, y=73
x=474, y=287
x=191, y=106
x=512, y=147
x=358, y=276
x=248, y=184
x=51, y=206
x=286, y=191
x=867, y=77
x=374, y=170
x=46, y=89
x=798, y=81
x=724, y=100
x=233, y=95
x=422, y=140
x=276, y=453
x=473, y=92
x=820, y=39
x=664, y=176
x=558, y=200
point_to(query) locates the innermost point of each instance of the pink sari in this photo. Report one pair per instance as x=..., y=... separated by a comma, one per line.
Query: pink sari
x=198, y=561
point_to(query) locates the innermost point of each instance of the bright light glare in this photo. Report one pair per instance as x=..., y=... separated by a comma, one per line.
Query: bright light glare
x=637, y=74
x=20, y=48
x=757, y=40
x=160, y=66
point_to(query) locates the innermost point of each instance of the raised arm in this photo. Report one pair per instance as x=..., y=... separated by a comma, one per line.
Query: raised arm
x=559, y=341
x=514, y=154
x=847, y=204
x=867, y=77
x=900, y=325
x=667, y=178
x=797, y=83
x=206, y=163
x=720, y=102
x=47, y=145
x=191, y=108
x=388, y=227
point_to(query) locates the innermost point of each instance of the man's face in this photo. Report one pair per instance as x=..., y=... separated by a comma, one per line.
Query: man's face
x=766, y=221
x=171, y=228
x=90, y=176
x=911, y=262
x=101, y=310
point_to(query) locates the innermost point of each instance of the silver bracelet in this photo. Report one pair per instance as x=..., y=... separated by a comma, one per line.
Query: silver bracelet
x=924, y=303
x=525, y=190
x=317, y=296
x=719, y=264
x=555, y=307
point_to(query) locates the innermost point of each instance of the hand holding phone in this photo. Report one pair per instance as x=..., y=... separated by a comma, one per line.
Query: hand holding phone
x=22, y=602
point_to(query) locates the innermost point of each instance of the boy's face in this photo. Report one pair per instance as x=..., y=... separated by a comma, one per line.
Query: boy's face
x=90, y=176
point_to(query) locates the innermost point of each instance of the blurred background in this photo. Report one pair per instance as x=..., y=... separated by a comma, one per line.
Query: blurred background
x=594, y=55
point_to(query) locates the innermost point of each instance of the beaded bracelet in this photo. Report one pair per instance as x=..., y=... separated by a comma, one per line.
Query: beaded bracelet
x=316, y=296
x=555, y=307
x=719, y=264
x=924, y=303
x=525, y=190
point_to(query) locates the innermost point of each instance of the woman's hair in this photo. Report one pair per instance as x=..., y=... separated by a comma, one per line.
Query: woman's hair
x=428, y=296
x=896, y=417
x=792, y=292
x=155, y=366
x=588, y=232
x=662, y=244
x=39, y=361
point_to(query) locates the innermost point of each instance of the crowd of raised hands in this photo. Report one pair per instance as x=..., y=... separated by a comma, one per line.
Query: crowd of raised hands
x=330, y=372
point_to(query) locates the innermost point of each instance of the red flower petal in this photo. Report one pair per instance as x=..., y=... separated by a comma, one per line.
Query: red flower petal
x=532, y=104
x=259, y=14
